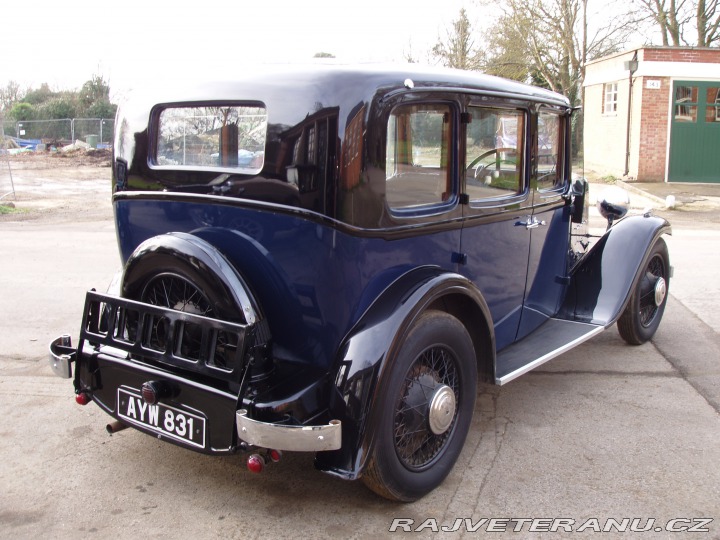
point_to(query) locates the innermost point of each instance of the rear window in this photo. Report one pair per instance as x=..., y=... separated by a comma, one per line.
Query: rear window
x=227, y=137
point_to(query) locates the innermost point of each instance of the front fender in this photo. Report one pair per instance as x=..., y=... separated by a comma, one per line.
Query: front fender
x=602, y=283
x=367, y=353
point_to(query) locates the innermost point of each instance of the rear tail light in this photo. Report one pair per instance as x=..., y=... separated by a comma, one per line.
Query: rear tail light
x=82, y=398
x=256, y=463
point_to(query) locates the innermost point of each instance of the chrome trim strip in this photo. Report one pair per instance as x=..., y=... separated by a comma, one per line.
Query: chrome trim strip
x=293, y=438
x=549, y=356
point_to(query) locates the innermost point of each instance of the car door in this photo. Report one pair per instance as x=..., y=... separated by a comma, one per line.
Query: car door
x=494, y=242
x=549, y=223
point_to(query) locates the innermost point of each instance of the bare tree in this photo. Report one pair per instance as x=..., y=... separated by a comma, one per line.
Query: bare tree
x=669, y=17
x=674, y=20
x=548, y=42
x=708, y=23
x=10, y=95
x=458, y=49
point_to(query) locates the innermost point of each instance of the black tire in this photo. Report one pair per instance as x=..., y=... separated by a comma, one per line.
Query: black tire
x=410, y=458
x=641, y=318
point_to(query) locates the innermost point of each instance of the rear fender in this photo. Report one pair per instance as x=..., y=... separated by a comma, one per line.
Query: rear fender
x=367, y=353
x=602, y=283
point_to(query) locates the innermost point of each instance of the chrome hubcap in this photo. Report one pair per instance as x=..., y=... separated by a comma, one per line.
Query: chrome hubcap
x=442, y=410
x=660, y=291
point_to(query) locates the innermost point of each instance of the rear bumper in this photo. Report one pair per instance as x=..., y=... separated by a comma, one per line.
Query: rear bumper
x=111, y=362
x=61, y=356
x=286, y=437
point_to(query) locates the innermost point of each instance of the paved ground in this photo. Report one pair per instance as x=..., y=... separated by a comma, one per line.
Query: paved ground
x=607, y=431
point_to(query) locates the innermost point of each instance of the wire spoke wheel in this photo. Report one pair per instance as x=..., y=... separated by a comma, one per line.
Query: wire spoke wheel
x=415, y=442
x=424, y=412
x=176, y=292
x=641, y=318
x=648, y=303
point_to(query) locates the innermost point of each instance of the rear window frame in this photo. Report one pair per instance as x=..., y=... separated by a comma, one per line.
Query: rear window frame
x=154, y=133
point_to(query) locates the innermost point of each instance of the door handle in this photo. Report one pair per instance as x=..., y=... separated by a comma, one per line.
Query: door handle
x=530, y=222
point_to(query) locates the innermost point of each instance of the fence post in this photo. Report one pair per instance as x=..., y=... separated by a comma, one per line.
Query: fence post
x=7, y=159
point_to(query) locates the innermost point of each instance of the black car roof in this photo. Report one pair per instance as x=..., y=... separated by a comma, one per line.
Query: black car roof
x=326, y=82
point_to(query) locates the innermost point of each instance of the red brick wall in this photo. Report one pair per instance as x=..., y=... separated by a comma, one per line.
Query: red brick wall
x=670, y=54
x=653, y=130
x=655, y=109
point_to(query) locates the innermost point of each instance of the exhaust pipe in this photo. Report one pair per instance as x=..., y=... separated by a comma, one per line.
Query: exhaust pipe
x=115, y=426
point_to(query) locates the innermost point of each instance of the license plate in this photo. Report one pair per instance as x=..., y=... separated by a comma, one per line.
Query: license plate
x=165, y=420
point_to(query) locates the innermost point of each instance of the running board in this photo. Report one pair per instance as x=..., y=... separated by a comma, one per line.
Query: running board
x=553, y=338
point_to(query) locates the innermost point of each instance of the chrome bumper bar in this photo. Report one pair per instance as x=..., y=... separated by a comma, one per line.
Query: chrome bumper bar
x=61, y=356
x=292, y=438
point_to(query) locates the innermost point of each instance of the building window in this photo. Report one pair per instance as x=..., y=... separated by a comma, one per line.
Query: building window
x=611, y=97
x=713, y=100
x=686, y=108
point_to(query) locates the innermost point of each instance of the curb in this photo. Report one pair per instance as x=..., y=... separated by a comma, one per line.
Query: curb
x=637, y=191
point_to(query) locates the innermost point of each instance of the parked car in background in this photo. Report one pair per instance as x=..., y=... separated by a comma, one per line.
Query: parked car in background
x=329, y=258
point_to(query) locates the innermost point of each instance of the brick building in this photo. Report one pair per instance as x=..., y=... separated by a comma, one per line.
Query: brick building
x=653, y=115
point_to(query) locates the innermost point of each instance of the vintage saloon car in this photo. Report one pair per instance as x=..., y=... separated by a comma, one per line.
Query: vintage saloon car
x=329, y=259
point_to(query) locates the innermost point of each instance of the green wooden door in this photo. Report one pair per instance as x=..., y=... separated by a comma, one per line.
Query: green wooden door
x=695, y=132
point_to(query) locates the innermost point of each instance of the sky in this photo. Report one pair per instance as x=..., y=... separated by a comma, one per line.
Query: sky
x=133, y=42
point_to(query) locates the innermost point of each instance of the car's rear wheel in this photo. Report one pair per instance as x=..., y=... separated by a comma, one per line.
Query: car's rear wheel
x=641, y=318
x=429, y=400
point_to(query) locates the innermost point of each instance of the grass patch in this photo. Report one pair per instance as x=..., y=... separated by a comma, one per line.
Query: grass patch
x=6, y=209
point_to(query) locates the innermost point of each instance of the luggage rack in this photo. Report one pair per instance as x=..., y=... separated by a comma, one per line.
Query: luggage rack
x=175, y=338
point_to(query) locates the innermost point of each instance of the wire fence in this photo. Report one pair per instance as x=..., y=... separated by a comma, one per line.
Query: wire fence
x=62, y=132
x=7, y=186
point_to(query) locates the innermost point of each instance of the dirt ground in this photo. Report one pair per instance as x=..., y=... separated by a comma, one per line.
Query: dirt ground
x=75, y=186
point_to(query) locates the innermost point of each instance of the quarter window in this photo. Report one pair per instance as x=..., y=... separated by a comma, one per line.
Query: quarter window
x=222, y=137
x=550, y=144
x=417, y=167
x=611, y=98
x=494, y=152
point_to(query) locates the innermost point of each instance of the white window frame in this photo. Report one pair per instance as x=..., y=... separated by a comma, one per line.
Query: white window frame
x=610, y=98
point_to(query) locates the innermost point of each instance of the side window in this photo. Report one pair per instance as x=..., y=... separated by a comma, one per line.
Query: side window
x=222, y=137
x=417, y=156
x=494, y=153
x=549, y=152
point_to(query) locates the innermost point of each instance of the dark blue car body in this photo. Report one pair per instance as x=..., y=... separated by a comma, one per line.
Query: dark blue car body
x=322, y=260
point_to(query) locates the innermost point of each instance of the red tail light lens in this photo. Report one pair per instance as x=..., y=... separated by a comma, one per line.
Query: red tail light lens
x=82, y=398
x=256, y=463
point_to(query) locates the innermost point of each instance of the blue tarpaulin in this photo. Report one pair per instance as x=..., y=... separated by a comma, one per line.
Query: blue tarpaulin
x=25, y=143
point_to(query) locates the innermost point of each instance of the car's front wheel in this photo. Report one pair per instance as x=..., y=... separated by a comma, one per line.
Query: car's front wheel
x=429, y=401
x=641, y=318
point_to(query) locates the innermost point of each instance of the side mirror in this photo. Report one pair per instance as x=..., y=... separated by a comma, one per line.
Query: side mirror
x=580, y=191
x=613, y=203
